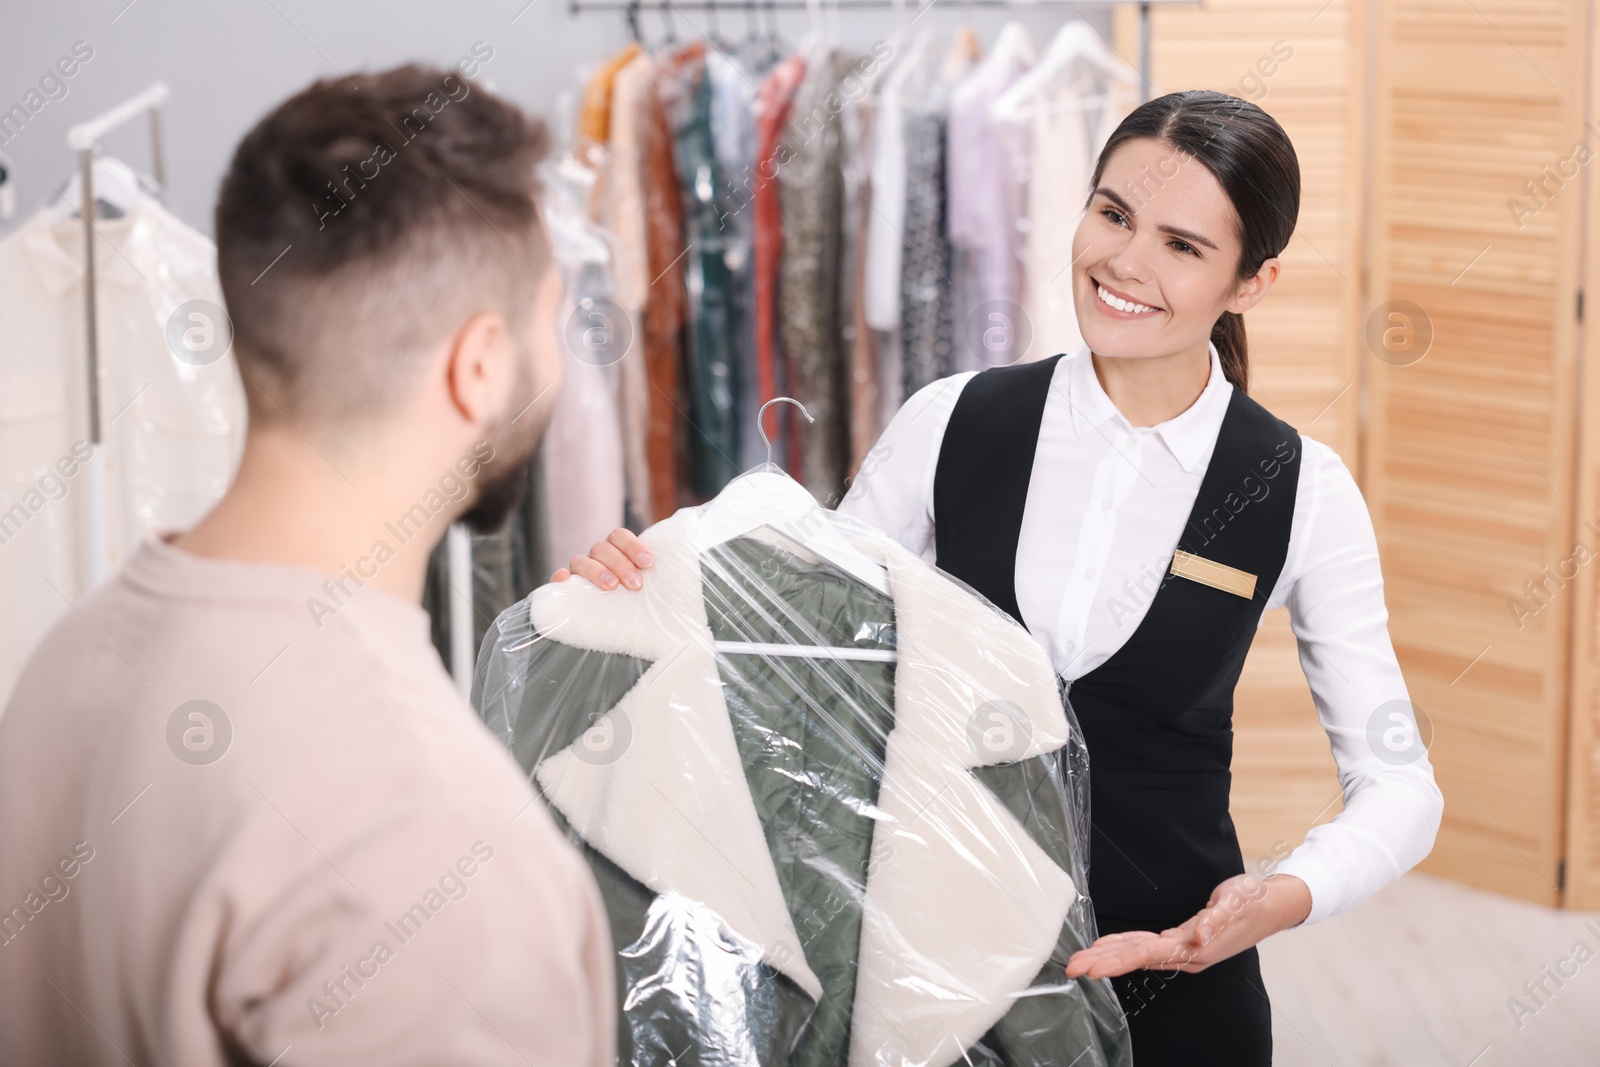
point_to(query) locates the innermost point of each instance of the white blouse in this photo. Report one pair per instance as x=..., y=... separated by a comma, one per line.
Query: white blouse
x=1105, y=506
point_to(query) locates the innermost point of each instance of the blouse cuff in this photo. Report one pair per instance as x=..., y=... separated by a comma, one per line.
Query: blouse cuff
x=1317, y=879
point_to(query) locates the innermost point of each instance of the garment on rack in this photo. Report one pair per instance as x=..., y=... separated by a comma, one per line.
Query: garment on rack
x=595, y=109
x=985, y=198
x=1058, y=164
x=927, y=302
x=1053, y=121
x=1055, y=146
x=733, y=135
x=831, y=825
x=907, y=79
x=592, y=131
x=811, y=190
x=786, y=233
x=966, y=49
x=172, y=427
x=864, y=408
x=776, y=100
x=582, y=447
x=624, y=217
x=714, y=295
x=927, y=289
x=885, y=235
x=666, y=308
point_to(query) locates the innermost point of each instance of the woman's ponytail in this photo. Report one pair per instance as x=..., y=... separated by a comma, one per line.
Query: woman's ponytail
x=1228, y=335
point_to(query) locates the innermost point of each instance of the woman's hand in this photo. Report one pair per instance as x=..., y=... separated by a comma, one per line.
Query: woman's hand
x=1243, y=910
x=621, y=556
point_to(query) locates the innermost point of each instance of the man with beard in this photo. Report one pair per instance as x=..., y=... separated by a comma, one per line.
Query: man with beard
x=241, y=830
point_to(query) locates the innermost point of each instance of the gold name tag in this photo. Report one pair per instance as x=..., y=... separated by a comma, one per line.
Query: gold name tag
x=1216, y=575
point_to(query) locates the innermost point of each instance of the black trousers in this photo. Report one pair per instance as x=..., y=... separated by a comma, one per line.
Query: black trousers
x=1219, y=1016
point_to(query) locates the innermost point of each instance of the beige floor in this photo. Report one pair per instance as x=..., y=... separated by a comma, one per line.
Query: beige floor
x=1425, y=973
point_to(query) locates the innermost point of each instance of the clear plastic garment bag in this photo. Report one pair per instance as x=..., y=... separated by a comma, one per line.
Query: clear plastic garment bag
x=834, y=800
x=172, y=407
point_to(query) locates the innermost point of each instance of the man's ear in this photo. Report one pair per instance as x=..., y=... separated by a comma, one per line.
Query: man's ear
x=1254, y=289
x=478, y=370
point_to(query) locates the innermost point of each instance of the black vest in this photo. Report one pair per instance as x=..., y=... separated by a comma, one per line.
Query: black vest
x=1157, y=715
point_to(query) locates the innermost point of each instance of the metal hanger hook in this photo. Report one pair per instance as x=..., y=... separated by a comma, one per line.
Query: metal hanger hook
x=761, y=423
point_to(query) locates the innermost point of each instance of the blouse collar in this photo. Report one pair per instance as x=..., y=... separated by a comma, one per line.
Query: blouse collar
x=1189, y=435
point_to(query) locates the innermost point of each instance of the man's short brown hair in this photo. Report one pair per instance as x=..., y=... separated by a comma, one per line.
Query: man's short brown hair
x=362, y=222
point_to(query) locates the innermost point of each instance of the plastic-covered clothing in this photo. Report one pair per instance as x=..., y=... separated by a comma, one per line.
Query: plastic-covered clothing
x=172, y=428
x=593, y=133
x=985, y=199
x=1052, y=145
x=734, y=139
x=927, y=300
x=832, y=823
x=811, y=191
x=623, y=214
x=864, y=403
x=716, y=305
x=667, y=305
x=776, y=97
x=582, y=448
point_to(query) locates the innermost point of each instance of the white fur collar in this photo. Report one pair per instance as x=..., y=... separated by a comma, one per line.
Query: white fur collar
x=962, y=909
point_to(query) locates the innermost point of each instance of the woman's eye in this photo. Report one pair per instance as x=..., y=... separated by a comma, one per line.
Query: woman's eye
x=1113, y=215
x=1184, y=247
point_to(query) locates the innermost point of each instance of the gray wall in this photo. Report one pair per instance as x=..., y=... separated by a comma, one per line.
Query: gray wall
x=228, y=62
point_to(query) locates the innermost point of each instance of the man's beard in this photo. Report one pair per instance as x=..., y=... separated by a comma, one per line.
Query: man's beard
x=516, y=442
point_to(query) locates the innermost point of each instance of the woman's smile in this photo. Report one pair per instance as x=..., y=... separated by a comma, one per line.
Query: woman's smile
x=1120, y=305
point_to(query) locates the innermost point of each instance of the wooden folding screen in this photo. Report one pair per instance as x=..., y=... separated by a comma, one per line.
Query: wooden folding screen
x=1470, y=473
x=1582, y=868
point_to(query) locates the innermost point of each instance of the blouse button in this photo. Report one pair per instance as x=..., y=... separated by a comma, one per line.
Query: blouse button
x=1105, y=505
x=1088, y=572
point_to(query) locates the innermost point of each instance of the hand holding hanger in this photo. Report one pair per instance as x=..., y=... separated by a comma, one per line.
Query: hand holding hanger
x=765, y=496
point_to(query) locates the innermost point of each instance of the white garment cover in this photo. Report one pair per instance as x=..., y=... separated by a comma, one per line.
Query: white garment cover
x=1065, y=142
x=1053, y=121
x=881, y=290
x=172, y=430
x=582, y=449
x=984, y=202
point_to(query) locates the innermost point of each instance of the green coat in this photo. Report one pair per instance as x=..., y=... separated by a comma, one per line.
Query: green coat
x=811, y=861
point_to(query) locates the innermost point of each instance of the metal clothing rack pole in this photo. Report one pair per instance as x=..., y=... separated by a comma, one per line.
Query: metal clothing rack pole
x=460, y=612
x=82, y=139
x=633, y=7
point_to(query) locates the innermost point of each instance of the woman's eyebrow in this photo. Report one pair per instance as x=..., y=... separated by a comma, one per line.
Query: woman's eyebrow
x=1123, y=206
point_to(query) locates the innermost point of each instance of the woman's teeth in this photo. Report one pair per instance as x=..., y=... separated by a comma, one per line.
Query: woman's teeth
x=1119, y=303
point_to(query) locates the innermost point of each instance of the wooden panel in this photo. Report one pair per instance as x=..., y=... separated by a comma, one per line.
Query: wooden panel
x=1469, y=471
x=1583, y=738
x=1303, y=338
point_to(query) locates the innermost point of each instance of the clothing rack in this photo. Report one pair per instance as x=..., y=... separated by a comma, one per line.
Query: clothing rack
x=459, y=552
x=83, y=138
x=632, y=8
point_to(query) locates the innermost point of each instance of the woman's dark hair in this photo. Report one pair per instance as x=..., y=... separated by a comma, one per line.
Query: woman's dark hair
x=1253, y=159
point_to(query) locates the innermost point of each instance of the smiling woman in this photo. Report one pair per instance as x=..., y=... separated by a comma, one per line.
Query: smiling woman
x=1056, y=488
x=1190, y=205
